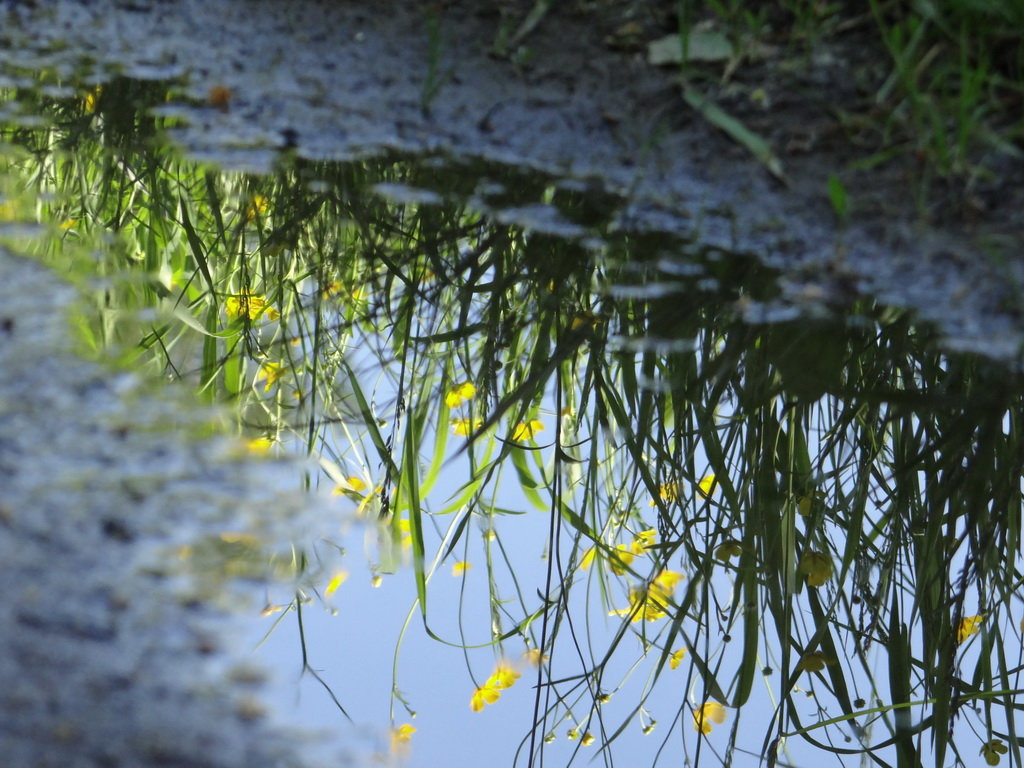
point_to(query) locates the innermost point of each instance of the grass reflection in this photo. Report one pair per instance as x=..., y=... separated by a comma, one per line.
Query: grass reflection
x=824, y=503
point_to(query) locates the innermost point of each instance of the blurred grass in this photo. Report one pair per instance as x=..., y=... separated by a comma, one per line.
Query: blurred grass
x=867, y=485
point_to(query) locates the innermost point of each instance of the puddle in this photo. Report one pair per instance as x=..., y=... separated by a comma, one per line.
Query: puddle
x=709, y=495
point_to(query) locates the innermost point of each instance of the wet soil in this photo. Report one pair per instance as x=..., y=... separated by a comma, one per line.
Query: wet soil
x=331, y=80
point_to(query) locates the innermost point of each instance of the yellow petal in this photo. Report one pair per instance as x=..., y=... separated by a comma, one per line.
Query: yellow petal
x=460, y=394
x=401, y=736
x=620, y=559
x=483, y=696
x=504, y=676
x=727, y=549
x=644, y=541
x=460, y=567
x=527, y=431
x=709, y=712
x=812, y=661
x=259, y=445
x=336, y=581
x=535, y=657
x=706, y=486
x=676, y=658
x=588, y=559
x=969, y=626
x=817, y=567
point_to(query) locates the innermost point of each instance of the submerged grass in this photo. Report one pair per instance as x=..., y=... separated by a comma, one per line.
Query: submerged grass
x=821, y=505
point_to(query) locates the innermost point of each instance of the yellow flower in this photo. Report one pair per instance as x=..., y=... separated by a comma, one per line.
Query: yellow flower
x=649, y=603
x=588, y=739
x=676, y=658
x=92, y=99
x=258, y=205
x=535, y=657
x=817, y=567
x=466, y=427
x=250, y=305
x=504, y=676
x=709, y=711
x=400, y=737
x=621, y=558
x=813, y=661
x=270, y=372
x=706, y=486
x=527, y=431
x=330, y=289
x=643, y=541
x=460, y=567
x=259, y=444
x=336, y=581
x=728, y=548
x=483, y=696
x=667, y=492
x=969, y=626
x=584, y=321
x=991, y=751
x=463, y=392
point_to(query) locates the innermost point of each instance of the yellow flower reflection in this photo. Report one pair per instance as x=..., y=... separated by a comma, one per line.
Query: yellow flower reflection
x=817, y=567
x=667, y=492
x=650, y=603
x=336, y=581
x=643, y=541
x=814, y=661
x=270, y=372
x=969, y=626
x=466, y=427
x=993, y=750
x=259, y=445
x=728, y=549
x=527, y=430
x=504, y=676
x=535, y=657
x=400, y=738
x=258, y=205
x=707, y=713
x=250, y=305
x=706, y=486
x=460, y=394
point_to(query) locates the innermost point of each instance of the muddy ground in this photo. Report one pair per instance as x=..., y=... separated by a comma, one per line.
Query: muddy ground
x=337, y=80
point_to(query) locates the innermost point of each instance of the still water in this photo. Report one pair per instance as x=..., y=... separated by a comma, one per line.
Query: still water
x=597, y=492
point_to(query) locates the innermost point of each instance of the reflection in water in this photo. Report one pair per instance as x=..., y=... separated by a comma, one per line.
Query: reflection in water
x=735, y=477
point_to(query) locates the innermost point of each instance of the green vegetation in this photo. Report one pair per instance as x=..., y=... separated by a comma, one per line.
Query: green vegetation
x=818, y=505
x=936, y=86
